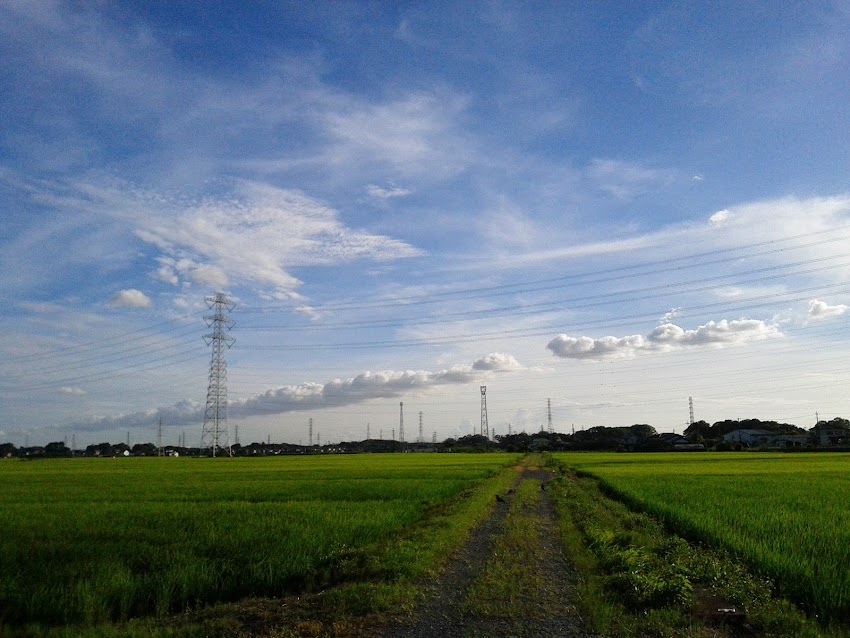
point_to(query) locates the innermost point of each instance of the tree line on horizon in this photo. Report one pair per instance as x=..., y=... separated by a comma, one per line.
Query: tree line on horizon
x=640, y=436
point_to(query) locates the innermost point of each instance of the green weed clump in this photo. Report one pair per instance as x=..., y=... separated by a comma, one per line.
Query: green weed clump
x=93, y=541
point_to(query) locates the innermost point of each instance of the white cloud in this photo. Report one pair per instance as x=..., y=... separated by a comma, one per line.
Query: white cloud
x=820, y=310
x=625, y=180
x=377, y=192
x=314, y=396
x=251, y=233
x=71, y=391
x=497, y=362
x=412, y=134
x=719, y=218
x=668, y=316
x=130, y=298
x=308, y=311
x=663, y=338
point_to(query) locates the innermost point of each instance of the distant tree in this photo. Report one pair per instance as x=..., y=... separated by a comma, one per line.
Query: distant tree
x=837, y=423
x=642, y=430
x=145, y=449
x=56, y=449
x=699, y=431
x=7, y=449
x=99, y=449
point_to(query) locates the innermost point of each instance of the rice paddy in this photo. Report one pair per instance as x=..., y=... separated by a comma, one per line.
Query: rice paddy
x=785, y=515
x=88, y=541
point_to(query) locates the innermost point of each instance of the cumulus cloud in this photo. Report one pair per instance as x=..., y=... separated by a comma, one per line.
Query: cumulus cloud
x=130, y=298
x=820, y=310
x=665, y=337
x=377, y=192
x=314, y=396
x=719, y=218
x=71, y=391
x=668, y=316
x=497, y=362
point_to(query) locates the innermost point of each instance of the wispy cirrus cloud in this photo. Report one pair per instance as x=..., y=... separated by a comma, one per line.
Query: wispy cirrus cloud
x=626, y=180
x=665, y=337
x=391, y=192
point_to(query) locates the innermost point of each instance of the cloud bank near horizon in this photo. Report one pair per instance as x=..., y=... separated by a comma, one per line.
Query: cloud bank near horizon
x=314, y=396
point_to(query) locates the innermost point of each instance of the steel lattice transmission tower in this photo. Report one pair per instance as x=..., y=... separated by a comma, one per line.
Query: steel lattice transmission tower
x=401, y=421
x=214, y=434
x=485, y=428
x=549, y=411
x=691, y=406
x=421, y=439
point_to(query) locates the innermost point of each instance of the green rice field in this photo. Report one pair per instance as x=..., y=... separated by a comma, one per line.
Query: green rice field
x=786, y=515
x=97, y=540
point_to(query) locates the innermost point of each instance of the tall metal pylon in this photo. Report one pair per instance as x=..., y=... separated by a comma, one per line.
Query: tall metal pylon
x=691, y=406
x=159, y=451
x=310, y=431
x=549, y=410
x=421, y=437
x=485, y=428
x=214, y=435
x=401, y=421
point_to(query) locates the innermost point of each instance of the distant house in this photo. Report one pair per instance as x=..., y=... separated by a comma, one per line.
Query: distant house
x=790, y=441
x=749, y=438
x=826, y=436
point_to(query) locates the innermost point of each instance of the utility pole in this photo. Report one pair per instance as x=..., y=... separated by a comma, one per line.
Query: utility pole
x=485, y=428
x=214, y=434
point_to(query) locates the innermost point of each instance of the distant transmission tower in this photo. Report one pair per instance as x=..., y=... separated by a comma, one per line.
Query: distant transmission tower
x=159, y=438
x=549, y=410
x=401, y=421
x=691, y=405
x=214, y=434
x=421, y=438
x=485, y=428
x=310, y=431
x=368, y=427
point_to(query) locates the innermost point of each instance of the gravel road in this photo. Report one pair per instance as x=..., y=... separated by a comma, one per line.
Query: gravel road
x=549, y=614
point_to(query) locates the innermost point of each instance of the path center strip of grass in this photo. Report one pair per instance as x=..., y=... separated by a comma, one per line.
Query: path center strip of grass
x=512, y=584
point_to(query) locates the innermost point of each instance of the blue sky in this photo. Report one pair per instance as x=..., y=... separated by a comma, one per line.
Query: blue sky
x=612, y=207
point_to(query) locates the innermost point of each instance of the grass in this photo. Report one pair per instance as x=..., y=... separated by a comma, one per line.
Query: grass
x=783, y=516
x=89, y=542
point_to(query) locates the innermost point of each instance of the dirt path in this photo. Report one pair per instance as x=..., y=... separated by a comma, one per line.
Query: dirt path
x=511, y=579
